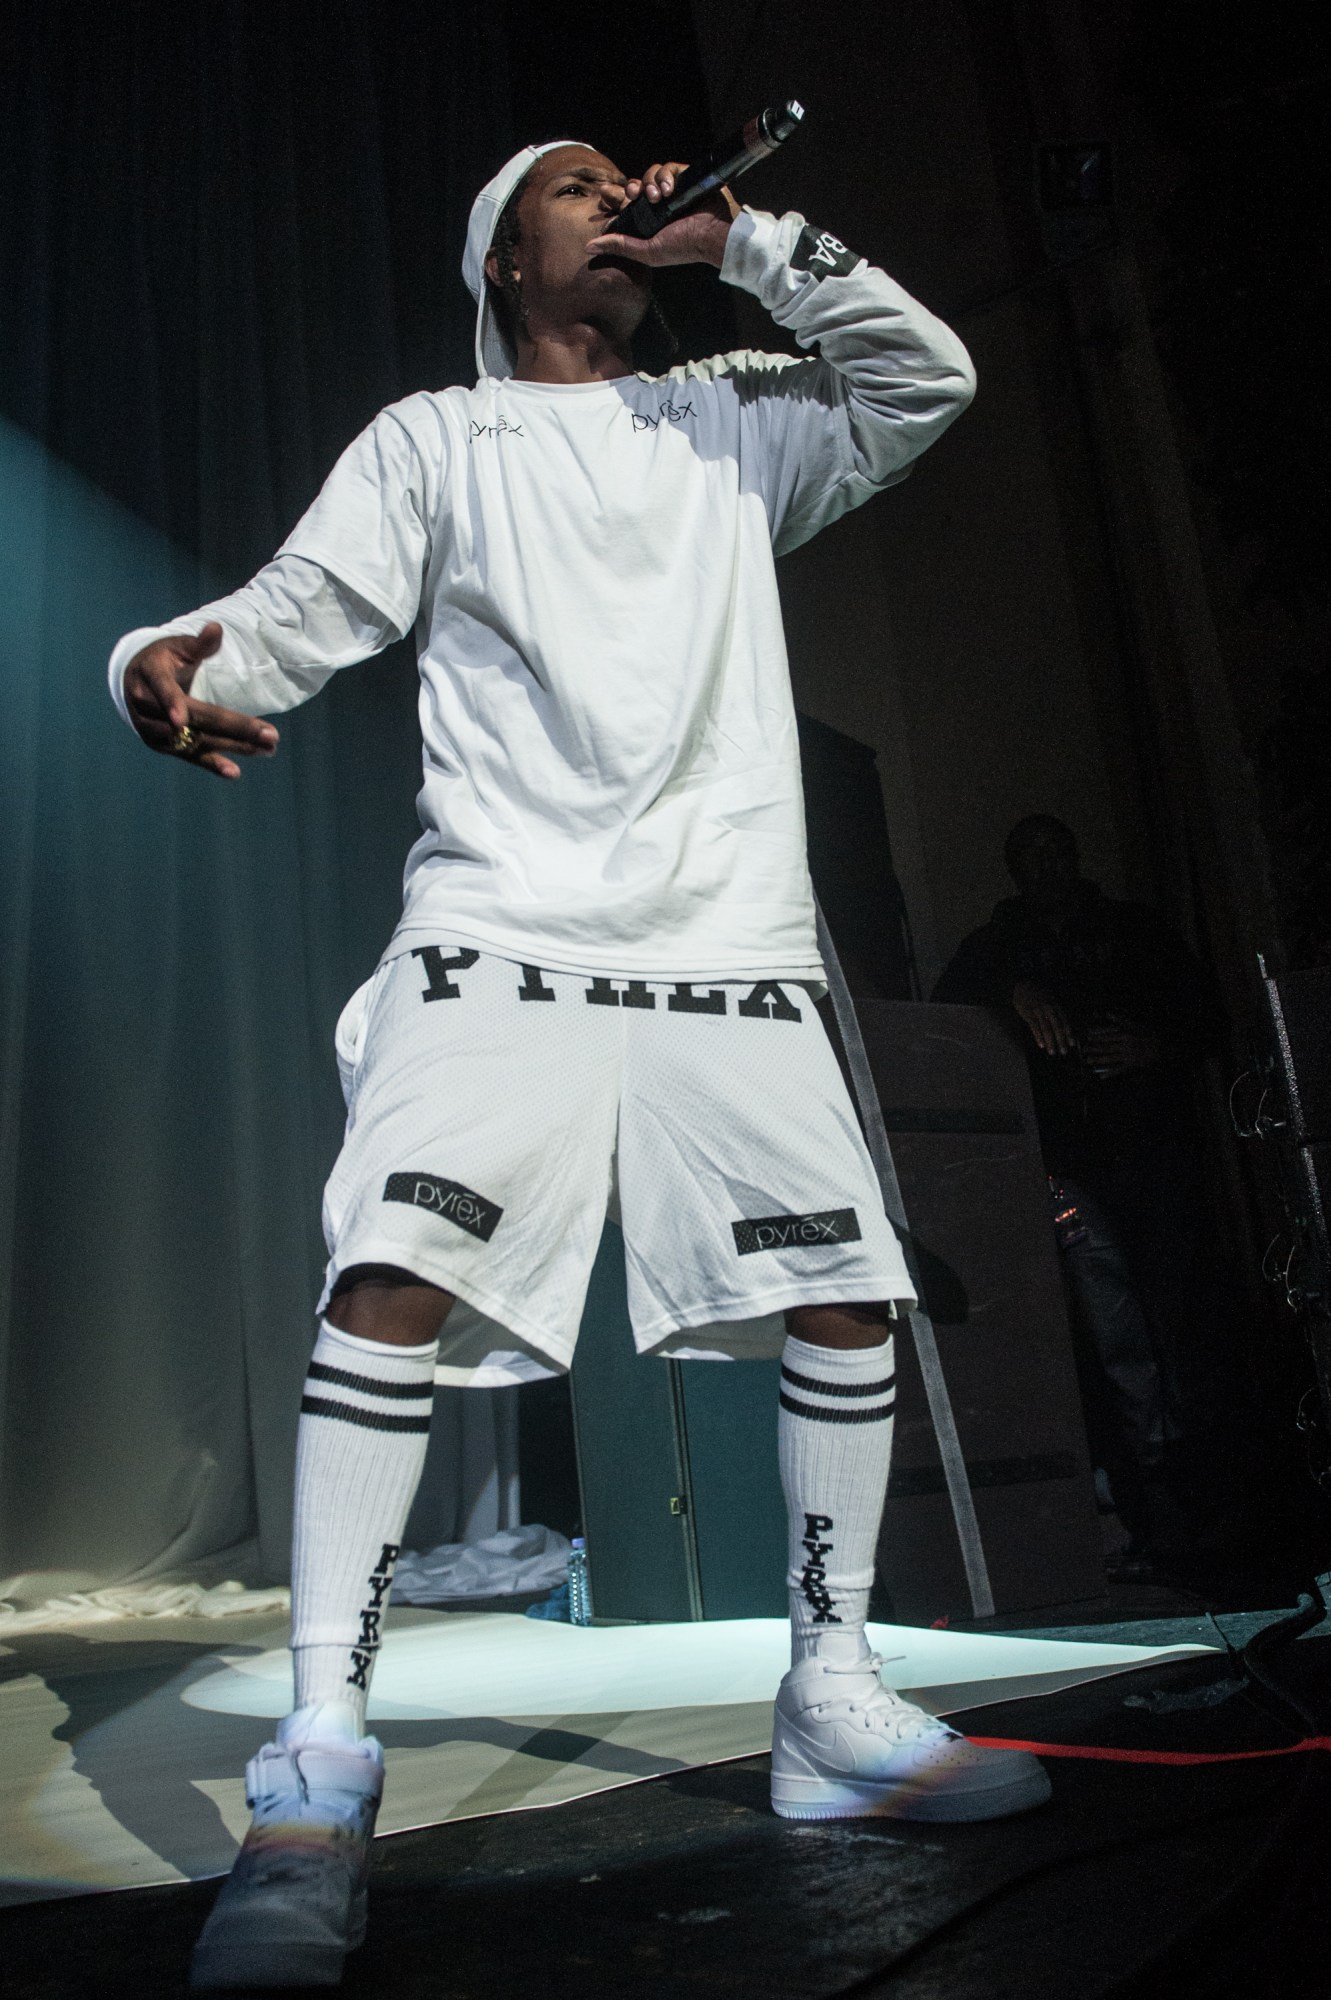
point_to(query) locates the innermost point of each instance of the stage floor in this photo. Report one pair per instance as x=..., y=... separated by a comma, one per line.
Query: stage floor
x=124, y=1747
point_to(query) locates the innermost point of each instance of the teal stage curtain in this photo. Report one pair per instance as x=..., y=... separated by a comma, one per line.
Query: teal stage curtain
x=227, y=237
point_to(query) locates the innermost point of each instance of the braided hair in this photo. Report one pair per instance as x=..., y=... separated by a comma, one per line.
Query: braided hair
x=654, y=344
x=505, y=294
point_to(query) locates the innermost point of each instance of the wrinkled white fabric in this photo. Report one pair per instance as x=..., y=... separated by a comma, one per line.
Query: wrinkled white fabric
x=515, y=1560
x=140, y=1600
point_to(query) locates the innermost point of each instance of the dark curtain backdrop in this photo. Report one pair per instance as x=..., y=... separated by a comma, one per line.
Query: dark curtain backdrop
x=228, y=235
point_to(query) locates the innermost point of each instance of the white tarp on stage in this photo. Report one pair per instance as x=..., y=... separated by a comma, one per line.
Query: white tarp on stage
x=500, y=1665
x=125, y=1744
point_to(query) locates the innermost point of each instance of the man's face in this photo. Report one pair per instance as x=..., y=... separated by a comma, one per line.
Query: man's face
x=1045, y=867
x=568, y=198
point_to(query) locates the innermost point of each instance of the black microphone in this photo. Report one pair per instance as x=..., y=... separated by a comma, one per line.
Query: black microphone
x=761, y=136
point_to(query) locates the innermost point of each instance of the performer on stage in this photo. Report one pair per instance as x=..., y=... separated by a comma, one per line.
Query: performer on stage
x=601, y=988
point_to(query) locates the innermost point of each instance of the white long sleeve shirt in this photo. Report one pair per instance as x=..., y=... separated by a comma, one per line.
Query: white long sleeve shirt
x=611, y=769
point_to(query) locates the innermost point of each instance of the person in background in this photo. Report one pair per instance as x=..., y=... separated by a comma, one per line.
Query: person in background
x=1115, y=1015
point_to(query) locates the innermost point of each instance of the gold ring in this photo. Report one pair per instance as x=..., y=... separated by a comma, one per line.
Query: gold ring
x=184, y=743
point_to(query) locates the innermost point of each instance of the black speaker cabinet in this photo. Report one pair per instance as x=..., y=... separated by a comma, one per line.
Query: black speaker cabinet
x=677, y=1466
x=956, y=1101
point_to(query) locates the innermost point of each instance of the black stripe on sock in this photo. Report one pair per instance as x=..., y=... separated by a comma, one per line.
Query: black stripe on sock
x=370, y=1420
x=342, y=1378
x=836, y=1388
x=836, y=1416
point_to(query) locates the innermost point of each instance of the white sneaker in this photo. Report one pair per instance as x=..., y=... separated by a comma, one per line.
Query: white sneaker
x=845, y=1747
x=294, y=1902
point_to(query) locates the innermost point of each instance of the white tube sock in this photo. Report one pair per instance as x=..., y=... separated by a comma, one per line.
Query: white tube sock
x=360, y=1447
x=834, y=1438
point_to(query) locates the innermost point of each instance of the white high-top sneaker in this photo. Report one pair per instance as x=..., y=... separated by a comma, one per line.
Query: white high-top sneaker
x=294, y=1902
x=846, y=1747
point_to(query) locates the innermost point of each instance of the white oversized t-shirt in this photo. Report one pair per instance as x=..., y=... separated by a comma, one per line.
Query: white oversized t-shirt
x=611, y=770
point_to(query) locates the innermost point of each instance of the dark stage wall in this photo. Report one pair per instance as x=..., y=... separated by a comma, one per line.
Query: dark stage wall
x=960, y=624
x=1096, y=596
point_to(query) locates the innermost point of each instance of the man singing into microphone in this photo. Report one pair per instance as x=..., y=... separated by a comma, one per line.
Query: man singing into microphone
x=601, y=988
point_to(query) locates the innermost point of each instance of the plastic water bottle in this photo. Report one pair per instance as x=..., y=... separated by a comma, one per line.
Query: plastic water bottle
x=579, y=1585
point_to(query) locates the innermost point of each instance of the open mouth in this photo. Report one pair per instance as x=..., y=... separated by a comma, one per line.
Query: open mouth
x=606, y=260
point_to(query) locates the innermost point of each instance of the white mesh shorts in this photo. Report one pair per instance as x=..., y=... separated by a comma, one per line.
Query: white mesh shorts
x=497, y=1113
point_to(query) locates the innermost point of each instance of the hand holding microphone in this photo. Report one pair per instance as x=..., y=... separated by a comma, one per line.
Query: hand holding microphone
x=697, y=237
x=676, y=214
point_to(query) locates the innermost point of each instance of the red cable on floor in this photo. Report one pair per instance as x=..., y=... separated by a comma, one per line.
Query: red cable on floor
x=1148, y=1756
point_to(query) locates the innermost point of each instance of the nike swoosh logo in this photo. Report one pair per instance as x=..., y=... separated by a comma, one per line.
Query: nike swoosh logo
x=837, y=1755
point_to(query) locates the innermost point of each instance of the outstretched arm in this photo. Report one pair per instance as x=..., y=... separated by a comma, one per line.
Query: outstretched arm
x=260, y=651
x=344, y=585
